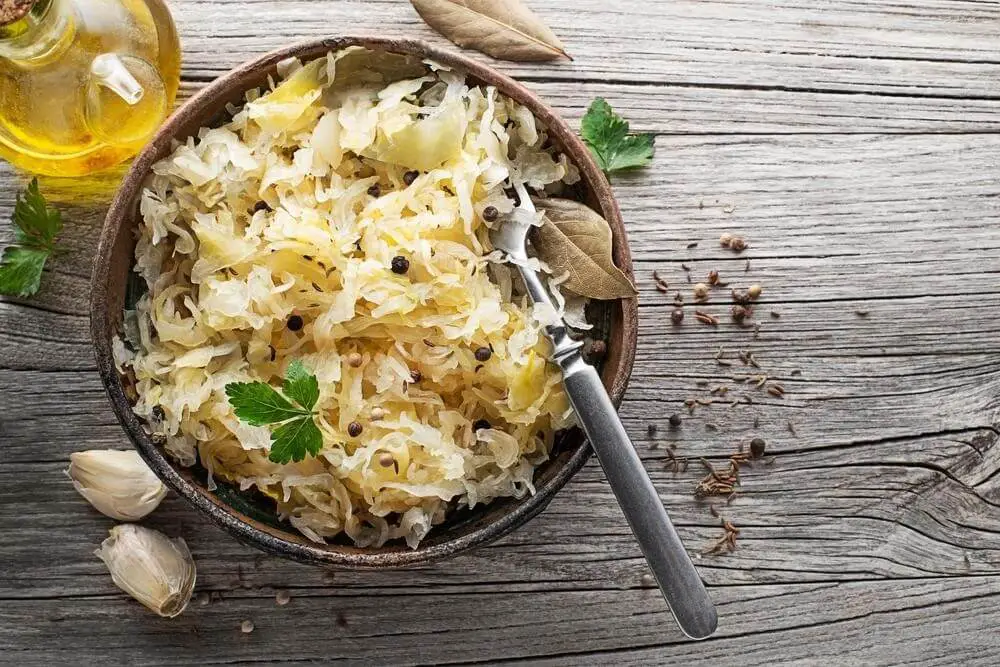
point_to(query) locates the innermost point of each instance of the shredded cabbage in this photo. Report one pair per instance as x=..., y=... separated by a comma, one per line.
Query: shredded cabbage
x=297, y=206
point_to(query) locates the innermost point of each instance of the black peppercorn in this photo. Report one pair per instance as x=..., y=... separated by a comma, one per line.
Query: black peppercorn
x=677, y=316
x=739, y=313
x=400, y=264
x=158, y=413
x=261, y=206
x=416, y=376
x=410, y=176
x=490, y=213
x=675, y=420
x=374, y=190
x=480, y=424
x=483, y=354
x=295, y=323
x=354, y=429
x=757, y=446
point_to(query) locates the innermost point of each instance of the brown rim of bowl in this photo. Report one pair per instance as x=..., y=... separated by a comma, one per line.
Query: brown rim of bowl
x=203, y=105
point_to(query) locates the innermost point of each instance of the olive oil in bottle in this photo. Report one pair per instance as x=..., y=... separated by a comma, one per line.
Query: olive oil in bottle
x=83, y=83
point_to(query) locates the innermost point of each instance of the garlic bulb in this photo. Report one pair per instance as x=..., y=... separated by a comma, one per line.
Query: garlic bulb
x=149, y=566
x=118, y=483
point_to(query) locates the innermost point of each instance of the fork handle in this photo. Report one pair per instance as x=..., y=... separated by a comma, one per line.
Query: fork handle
x=671, y=566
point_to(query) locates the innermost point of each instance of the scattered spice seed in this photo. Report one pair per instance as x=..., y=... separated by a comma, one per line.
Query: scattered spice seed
x=791, y=428
x=354, y=429
x=354, y=360
x=711, y=427
x=598, y=349
x=740, y=378
x=738, y=244
x=705, y=318
x=491, y=214
x=752, y=360
x=746, y=267
x=261, y=206
x=754, y=291
x=484, y=353
x=374, y=190
x=480, y=424
x=416, y=376
x=738, y=313
x=757, y=447
x=651, y=430
x=410, y=176
x=861, y=313
x=677, y=316
x=282, y=598
x=693, y=244
x=700, y=292
x=761, y=380
x=796, y=371
x=747, y=399
x=675, y=420
x=385, y=459
x=701, y=383
x=720, y=390
x=775, y=391
x=246, y=627
x=378, y=413
x=725, y=240
x=728, y=208
x=661, y=284
x=713, y=277
x=775, y=314
x=400, y=265
x=294, y=323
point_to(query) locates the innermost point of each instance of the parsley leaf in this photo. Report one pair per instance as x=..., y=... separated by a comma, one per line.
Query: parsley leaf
x=260, y=404
x=35, y=229
x=294, y=440
x=301, y=385
x=607, y=135
x=21, y=270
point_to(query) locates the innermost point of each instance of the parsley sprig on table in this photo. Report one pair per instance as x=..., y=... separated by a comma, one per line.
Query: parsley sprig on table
x=36, y=227
x=607, y=135
x=260, y=404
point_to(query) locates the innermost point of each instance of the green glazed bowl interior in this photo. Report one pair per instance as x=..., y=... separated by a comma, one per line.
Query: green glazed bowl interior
x=249, y=516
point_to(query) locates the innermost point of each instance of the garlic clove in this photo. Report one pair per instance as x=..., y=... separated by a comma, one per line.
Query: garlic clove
x=154, y=569
x=118, y=484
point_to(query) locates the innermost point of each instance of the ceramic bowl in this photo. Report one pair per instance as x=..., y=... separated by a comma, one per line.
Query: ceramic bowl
x=251, y=518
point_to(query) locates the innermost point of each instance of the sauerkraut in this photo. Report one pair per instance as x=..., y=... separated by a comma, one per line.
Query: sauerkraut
x=296, y=208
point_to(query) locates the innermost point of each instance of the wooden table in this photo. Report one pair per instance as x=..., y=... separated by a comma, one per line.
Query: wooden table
x=856, y=146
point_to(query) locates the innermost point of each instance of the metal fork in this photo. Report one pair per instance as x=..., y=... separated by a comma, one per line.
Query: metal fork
x=671, y=566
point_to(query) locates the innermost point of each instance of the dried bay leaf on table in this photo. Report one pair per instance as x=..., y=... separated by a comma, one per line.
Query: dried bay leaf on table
x=575, y=239
x=504, y=29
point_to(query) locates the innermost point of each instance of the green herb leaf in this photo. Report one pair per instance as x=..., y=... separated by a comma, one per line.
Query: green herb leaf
x=292, y=441
x=258, y=404
x=21, y=270
x=301, y=386
x=37, y=224
x=607, y=135
x=35, y=229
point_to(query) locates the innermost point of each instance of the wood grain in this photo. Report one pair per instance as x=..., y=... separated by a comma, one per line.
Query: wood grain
x=855, y=145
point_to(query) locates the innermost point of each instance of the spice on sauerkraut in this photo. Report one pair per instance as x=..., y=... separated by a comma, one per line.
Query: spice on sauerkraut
x=337, y=220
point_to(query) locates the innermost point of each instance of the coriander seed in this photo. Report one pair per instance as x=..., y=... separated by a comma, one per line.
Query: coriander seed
x=757, y=447
x=295, y=323
x=354, y=359
x=483, y=354
x=354, y=429
x=400, y=265
x=701, y=291
x=491, y=213
x=378, y=413
x=738, y=244
x=725, y=240
x=677, y=315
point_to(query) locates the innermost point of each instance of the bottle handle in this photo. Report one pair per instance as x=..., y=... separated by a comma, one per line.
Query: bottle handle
x=109, y=71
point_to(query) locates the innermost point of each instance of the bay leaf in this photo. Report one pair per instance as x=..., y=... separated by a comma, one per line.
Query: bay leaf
x=504, y=29
x=576, y=239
